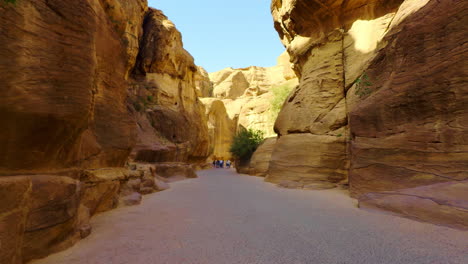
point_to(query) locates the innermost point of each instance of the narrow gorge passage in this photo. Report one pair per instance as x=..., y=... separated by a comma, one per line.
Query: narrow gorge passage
x=225, y=218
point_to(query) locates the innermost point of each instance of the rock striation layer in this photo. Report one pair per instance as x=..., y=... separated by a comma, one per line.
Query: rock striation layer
x=246, y=95
x=381, y=99
x=171, y=120
x=86, y=85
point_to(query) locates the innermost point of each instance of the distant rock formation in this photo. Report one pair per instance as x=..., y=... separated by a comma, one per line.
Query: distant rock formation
x=86, y=85
x=381, y=103
x=246, y=94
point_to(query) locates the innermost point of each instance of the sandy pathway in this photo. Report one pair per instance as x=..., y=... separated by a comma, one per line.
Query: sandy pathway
x=225, y=218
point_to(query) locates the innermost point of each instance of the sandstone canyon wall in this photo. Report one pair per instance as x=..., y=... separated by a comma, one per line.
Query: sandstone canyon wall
x=172, y=125
x=246, y=94
x=381, y=102
x=84, y=85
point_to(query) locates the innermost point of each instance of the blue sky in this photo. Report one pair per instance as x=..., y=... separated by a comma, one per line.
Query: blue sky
x=220, y=33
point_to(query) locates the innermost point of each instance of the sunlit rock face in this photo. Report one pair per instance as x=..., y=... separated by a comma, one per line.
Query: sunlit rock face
x=381, y=91
x=412, y=129
x=329, y=44
x=246, y=95
x=221, y=128
x=82, y=83
x=247, y=92
x=63, y=87
x=172, y=124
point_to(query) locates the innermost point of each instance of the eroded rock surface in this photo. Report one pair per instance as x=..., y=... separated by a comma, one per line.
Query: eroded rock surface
x=412, y=129
x=381, y=97
x=221, y=128
x=260, y=161
x=62, y=80
x=83, y=82
x=172, y=125
x=247, y=97
x=441, y=203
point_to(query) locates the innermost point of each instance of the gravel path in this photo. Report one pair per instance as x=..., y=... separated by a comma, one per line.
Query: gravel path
x=225, y=218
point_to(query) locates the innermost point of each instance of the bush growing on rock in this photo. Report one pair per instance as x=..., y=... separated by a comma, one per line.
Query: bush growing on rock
x=280, y=93
x=245, y=143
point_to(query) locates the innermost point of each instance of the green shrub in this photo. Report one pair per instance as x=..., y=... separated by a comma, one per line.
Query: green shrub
x=10, y=1
x=245, y=143
x=363, y=85
x=280, y=94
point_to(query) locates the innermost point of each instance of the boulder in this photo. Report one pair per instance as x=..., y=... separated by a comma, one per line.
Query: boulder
x=175, y=171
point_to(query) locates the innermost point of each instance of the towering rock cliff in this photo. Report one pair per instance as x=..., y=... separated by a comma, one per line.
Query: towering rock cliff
x=381, y=100
x=247, y=96
x=84, y=85
x=172, y=125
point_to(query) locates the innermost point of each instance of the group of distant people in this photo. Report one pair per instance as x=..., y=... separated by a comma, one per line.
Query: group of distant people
x=221, y=164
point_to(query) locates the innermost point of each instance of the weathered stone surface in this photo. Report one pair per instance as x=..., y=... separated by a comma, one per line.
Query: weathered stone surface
x=232, y=83
x=127, y=18
x=52, y=218
x=412, y=130
x=104, y=174
x=247, y=97
x=442, y=203
x=71, y=74
x=220, y=128
x=304, y=25
x=80, y=102
x=284, y=61
x=102, y=188
x=175, y=171
x=308, y=158
x=260, y=161
x=408, y=129
x=203, y=83
x=15, y=195
x=171, y=119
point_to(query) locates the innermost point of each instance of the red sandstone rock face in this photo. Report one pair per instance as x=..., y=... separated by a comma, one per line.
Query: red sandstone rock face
x=68, y=120
x=410, y=128
x=63, y=87
x=413, y=129
x=441, y=203
x=172, y=124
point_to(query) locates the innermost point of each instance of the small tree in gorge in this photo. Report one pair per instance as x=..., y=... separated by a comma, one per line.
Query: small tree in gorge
x=245, y=143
